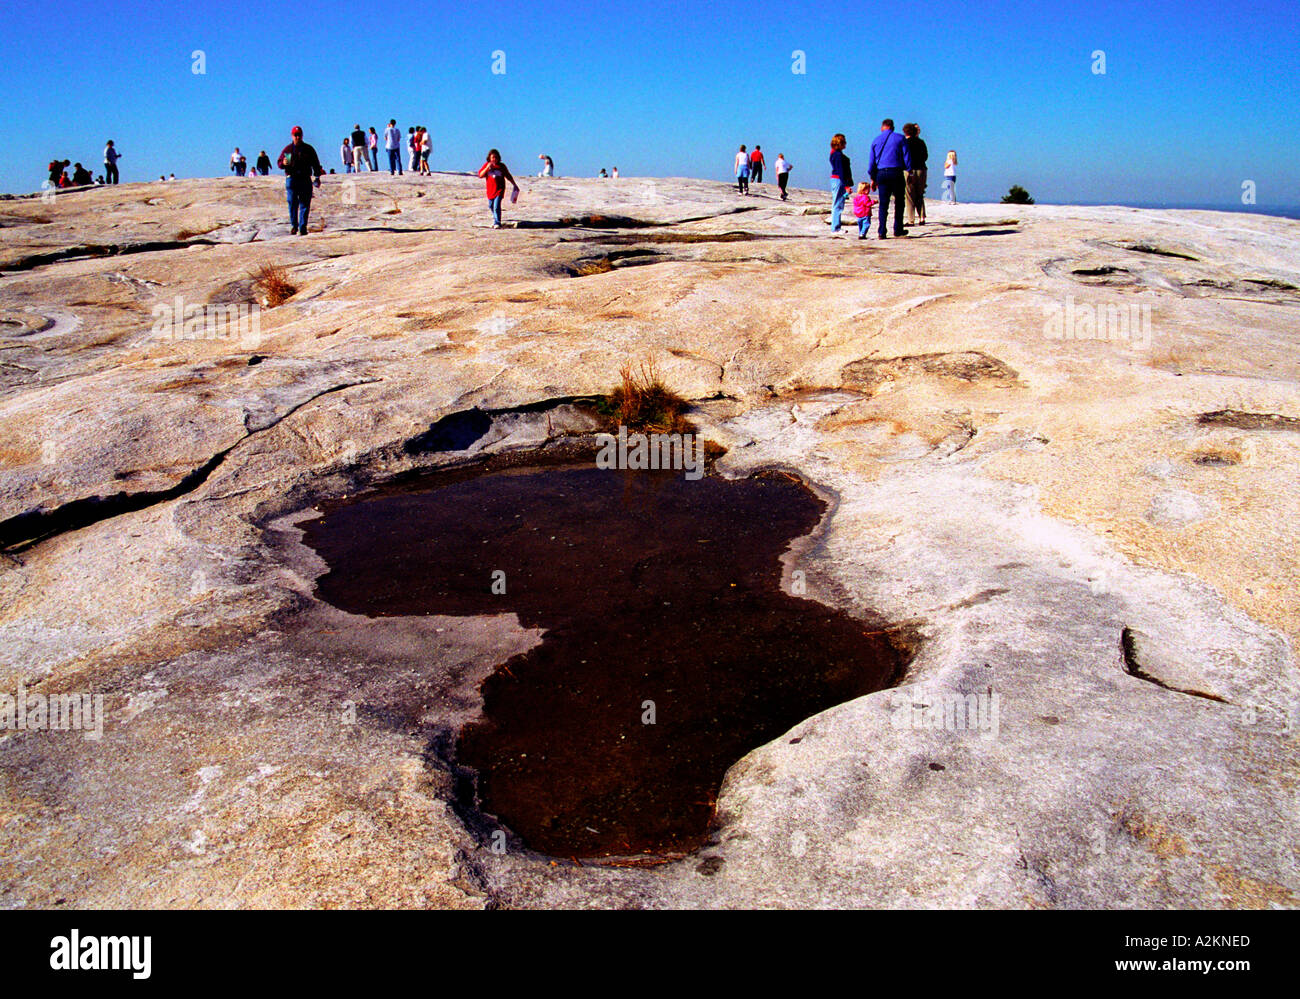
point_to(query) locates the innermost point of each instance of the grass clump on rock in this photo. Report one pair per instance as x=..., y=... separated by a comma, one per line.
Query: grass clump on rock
x=642, y=402
x=272, y=282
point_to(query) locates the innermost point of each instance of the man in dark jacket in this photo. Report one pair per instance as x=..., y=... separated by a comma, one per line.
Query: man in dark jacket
x=302, y=169
x=359, y=155
x=918, y=154
x=890, y=161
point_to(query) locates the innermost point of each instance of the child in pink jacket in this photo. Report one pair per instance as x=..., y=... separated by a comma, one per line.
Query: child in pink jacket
x=862, y=205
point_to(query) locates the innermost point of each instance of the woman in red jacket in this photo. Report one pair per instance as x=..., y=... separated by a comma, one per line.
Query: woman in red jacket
x=496, y=174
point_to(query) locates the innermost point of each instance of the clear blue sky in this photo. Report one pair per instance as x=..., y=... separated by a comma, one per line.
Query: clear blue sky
x=1196, y=98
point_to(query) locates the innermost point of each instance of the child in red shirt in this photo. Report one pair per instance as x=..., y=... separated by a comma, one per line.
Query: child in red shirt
x=496, y=174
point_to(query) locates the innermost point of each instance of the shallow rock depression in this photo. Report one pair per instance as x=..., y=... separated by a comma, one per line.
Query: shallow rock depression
x=669, y=652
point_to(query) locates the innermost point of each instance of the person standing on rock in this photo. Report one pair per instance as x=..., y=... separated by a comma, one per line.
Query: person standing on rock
x=862, y=203
x=756, y=164
x=548, y=165
x=426, y=147
x=782, y=173
x=950, y=177
x=302, y=170
x=393, y=144
x=345, y=154
x=111, y=156
x=841, y=178
x=263, y=164
x=372, y=145
x=413, y=147
x=742, y=171
x=359, y=149
x=238, y=162
x=918, y=153
x=888, y=168
x=496, y=173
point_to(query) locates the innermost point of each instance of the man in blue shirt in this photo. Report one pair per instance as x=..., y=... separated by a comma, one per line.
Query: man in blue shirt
x=890, y=161
x=393, y=144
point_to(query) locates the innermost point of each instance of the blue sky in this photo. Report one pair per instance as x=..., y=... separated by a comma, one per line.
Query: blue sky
x=1196, y=97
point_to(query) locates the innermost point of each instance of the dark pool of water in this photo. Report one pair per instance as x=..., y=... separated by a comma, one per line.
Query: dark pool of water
x=649, y=587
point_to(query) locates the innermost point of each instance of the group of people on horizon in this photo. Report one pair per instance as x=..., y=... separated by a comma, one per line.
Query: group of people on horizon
x=360, y=150
x=81, y=177
x=420, y=145
x=239, y=164
x=59, y=175
x=548, y=169
x=897, y=166
x=750, y=165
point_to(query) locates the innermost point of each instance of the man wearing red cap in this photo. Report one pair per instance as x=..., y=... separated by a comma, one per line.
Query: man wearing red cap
x=301, y=168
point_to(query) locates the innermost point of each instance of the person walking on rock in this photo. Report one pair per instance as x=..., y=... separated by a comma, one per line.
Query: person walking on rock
x=756, y=164
x=782, y=173
x=918, y=154
x=888, y=168
x=302, y=170
x=742, y=171
x=496, y=173
x=238, y=162
x=393, y=144
x=263, y=164
x=111, y=156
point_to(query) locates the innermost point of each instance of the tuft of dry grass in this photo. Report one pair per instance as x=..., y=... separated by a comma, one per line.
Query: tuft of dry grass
x=600, y=265
x=272, y=282
x=642, y=402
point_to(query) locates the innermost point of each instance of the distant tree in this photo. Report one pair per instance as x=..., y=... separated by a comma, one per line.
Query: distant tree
x=1017, y=196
